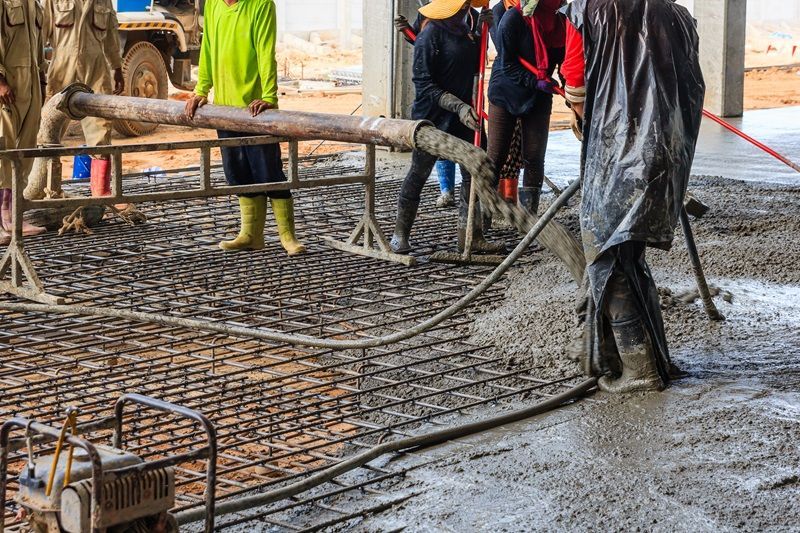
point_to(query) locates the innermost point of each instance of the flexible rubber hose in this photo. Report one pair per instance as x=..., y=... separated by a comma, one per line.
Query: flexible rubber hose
x=305, y=340
x=418, y=441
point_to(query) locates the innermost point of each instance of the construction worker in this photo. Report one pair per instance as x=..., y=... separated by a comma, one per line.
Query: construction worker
x=633, y=77
x=237, y=59
x=84, y=36
x=446, y=55
x=22, y=83
x=533, y=31
x=445, y=170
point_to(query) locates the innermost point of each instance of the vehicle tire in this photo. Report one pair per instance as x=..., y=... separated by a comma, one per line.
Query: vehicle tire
x=145, y=77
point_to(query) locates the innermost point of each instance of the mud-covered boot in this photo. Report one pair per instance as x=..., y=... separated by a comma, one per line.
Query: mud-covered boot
x=406, y=214
x=479, y=243
x=639, y=369
x=445, y=200
x=6, y=217
x=283, y=209
x=529, y=199
x=251, y=235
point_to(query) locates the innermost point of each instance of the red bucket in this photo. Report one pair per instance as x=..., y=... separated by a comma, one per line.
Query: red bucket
x=508, y=190
x=100, y=180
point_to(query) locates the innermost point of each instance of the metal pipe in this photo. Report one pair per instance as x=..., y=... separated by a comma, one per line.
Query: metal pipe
x=697, y=266
x=297, y=125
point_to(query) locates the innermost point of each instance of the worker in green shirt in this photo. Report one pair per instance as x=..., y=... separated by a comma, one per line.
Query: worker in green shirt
x=237, y=59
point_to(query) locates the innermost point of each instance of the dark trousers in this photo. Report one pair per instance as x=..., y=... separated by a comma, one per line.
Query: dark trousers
x=535, y=131
x=621, y=305
x=250, y=165
x=421, y=166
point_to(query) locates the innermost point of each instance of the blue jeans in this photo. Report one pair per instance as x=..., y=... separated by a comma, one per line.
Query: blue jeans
x=446, y=170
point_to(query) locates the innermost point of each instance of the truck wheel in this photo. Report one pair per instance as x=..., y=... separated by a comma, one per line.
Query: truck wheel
x=145, y=77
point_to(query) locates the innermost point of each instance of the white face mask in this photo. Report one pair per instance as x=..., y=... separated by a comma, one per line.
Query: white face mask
x=529, y=6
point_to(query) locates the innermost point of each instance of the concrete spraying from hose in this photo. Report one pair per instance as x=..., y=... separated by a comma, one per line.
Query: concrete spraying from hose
x=77, y=102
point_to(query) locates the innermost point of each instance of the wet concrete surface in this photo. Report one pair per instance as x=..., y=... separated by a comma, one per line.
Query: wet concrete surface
x=718, y=150
x=717, y=451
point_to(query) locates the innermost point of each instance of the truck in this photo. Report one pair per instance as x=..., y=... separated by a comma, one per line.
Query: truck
x=160, y=42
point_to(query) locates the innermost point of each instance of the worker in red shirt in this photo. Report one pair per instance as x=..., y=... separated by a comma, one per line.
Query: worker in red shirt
x=633, y=78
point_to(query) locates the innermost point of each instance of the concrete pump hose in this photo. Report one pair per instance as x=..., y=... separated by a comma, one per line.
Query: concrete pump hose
x=304, y=340
x=408, y=443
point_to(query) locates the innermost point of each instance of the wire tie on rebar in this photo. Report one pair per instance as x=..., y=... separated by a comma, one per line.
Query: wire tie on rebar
x=75, y=222
x=130, y=215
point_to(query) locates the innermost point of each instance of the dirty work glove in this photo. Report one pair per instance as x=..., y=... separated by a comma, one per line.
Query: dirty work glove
x=528, y=7
x=401, y=23
x=546, y=86
x=467, y=115
x=487, y=17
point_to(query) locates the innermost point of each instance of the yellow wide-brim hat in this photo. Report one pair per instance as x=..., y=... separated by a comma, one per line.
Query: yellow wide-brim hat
x=444, y=9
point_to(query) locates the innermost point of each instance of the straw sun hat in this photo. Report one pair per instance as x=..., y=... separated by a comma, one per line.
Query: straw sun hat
x=442, y=9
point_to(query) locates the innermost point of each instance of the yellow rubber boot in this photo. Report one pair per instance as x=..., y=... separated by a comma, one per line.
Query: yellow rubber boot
x=251, y=235
x=283, y=208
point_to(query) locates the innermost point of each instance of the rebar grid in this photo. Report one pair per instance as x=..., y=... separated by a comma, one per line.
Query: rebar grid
x=281, y=412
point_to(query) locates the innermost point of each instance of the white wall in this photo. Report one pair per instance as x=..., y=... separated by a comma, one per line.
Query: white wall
x=316, y=15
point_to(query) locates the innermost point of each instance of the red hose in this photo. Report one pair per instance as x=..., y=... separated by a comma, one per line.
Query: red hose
x=481, y=77
x=730, y=127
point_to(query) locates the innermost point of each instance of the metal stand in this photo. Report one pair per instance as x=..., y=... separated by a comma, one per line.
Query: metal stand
x=16, y=260
x=368, y=227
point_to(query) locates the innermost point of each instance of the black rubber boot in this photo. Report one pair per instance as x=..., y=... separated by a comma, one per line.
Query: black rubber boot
x=406, y=214
x=529, y=199
x=639, y=370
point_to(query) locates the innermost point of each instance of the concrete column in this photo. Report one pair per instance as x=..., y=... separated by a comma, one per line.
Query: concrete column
x=387, y=87
x=721, y=25
x=345, y=27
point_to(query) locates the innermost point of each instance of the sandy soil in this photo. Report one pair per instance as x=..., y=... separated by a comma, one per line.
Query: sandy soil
x=718, y=451
x=772, y=87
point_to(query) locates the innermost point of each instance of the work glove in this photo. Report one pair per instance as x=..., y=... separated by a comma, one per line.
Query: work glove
x=466, y=114
x=546, y=86
x=528, y=7
x=401, y=23
x=487, y=17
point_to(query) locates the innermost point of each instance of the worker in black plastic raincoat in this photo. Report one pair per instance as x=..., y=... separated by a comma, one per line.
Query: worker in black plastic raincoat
x=633, y=76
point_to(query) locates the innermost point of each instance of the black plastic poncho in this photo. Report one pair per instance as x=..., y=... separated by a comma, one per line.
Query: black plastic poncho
x=643, y=110
x=644, y=98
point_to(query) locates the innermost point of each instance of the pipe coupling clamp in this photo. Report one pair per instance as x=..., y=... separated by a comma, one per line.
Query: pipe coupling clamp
x=66, y=96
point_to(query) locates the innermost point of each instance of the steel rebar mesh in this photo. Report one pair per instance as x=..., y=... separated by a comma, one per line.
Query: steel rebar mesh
x=281, y=412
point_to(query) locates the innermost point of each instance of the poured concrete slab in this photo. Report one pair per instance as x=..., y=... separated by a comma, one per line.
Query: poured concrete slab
x=717, y=451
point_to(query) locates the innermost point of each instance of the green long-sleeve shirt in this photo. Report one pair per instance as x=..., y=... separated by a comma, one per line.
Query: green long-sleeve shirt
x=237, y=57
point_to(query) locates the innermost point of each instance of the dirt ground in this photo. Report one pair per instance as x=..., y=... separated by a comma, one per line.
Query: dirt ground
x=718, y=451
